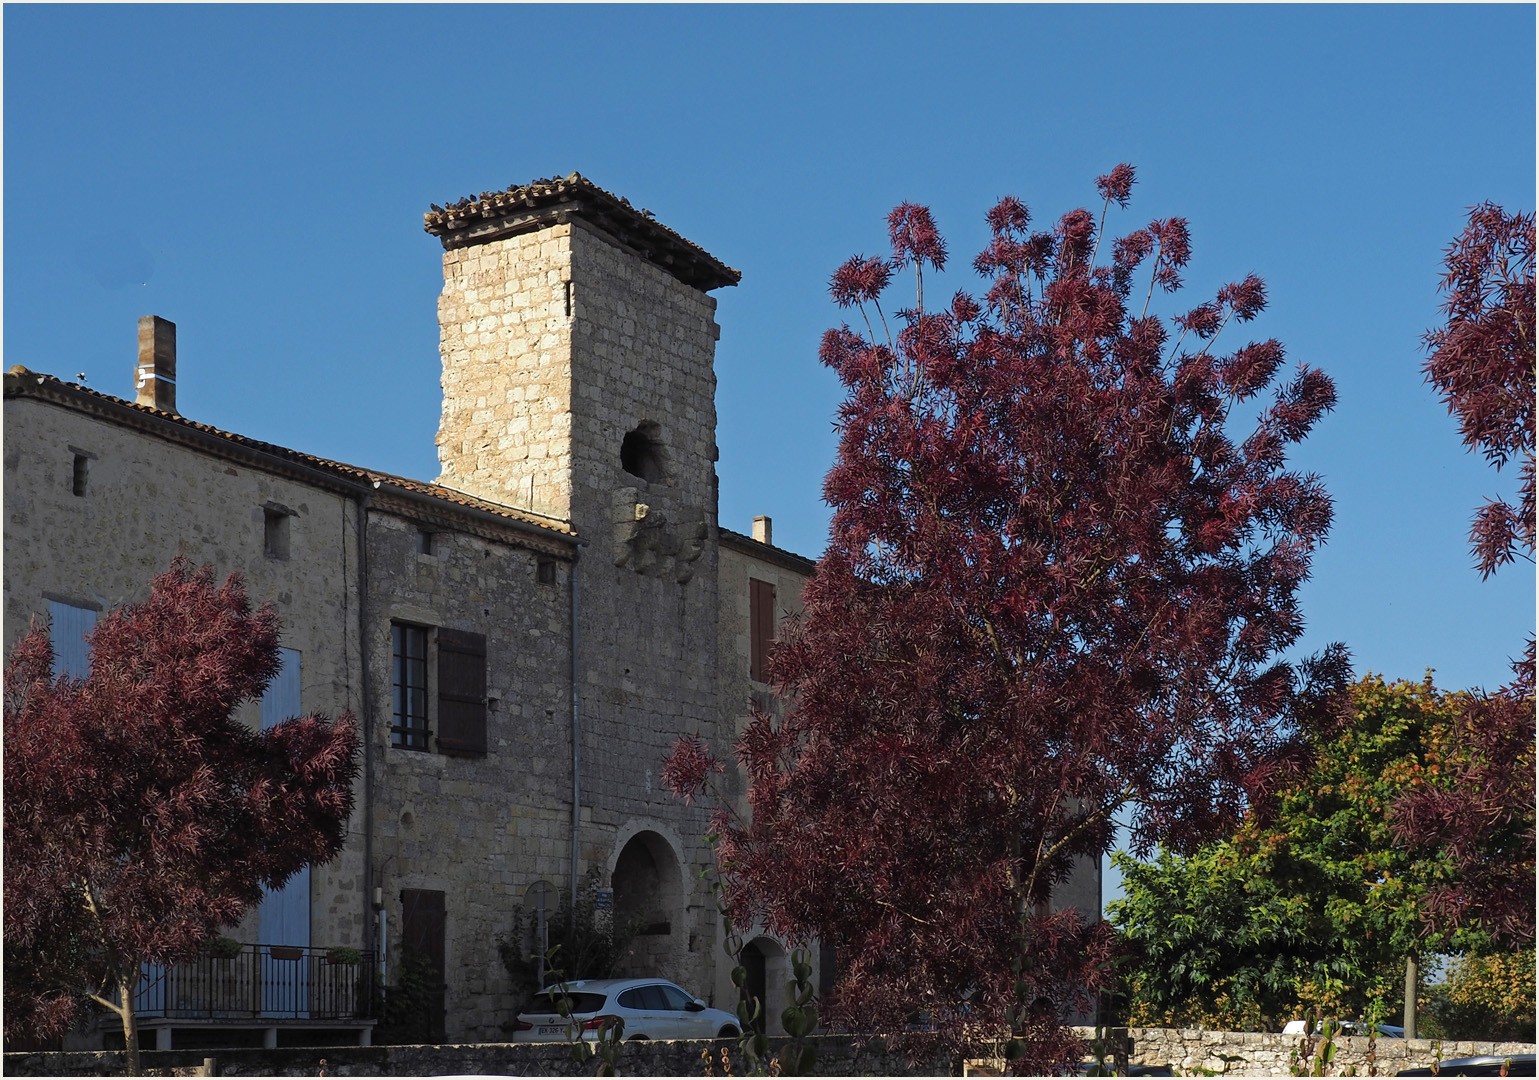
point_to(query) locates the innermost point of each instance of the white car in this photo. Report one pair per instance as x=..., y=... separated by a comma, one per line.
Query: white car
x=650, y=1008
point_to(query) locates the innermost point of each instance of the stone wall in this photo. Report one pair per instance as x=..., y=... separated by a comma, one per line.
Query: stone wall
x=148, y=499
x=505, y=319
x=481, y=829
x=557, y=344
x=1235, y=1053
x=836, y=1057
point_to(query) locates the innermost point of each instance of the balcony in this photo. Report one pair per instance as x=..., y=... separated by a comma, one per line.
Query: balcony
x=260, y=983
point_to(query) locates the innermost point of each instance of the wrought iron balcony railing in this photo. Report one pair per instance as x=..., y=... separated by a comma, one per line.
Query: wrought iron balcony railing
x=278, y=982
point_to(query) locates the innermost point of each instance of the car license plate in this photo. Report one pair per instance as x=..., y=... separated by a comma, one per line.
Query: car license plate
x=558, y=1030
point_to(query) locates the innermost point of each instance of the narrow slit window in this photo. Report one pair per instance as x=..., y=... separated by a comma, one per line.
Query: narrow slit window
x=82, y=471
x=545, y=572
x=424, y=542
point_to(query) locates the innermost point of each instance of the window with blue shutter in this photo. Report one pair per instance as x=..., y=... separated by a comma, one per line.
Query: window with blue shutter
x=68, y=628
x=284, y=915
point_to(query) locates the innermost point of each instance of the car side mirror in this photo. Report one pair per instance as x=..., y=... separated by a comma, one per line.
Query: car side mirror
x=694, y=1006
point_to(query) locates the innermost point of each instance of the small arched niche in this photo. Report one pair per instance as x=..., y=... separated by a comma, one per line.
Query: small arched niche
x=641, y=453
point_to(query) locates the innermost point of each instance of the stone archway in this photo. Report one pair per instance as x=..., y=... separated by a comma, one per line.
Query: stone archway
x=768, y=972
x=649, y=901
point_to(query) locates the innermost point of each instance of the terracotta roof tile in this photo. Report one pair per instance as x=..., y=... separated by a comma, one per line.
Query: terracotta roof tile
x=524, y=207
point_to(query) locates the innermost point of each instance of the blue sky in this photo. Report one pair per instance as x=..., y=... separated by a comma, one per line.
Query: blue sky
x=258, y=175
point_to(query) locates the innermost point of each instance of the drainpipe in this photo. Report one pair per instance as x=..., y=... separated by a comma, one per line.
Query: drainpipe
x=576, y=750
x=366, y=724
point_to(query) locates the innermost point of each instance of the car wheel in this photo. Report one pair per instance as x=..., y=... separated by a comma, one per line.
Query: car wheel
x=728, y=1032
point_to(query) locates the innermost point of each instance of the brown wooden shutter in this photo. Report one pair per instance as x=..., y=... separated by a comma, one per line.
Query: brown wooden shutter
x=761, y=621
x=461, y=691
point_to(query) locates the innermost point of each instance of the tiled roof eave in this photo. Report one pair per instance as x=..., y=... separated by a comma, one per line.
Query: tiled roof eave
x=334, y=476
x=757, y=549
x=521, y=208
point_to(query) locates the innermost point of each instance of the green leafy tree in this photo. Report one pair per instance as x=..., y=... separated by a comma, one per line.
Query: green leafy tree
x=1483, y=997
x=1314, y=903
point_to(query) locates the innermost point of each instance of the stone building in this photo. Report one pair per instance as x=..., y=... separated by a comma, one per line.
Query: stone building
x=523, y=639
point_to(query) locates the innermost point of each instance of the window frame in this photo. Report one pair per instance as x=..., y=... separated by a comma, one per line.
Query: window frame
x=405, y=734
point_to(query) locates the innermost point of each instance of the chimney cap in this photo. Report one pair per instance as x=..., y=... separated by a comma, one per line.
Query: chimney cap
x=761, y=529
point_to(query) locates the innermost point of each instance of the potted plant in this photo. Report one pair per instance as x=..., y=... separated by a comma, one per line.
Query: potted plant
x=343, y=954
x=224, y=948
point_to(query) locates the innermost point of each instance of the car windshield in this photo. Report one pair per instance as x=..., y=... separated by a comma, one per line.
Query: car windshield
x=546, y=1002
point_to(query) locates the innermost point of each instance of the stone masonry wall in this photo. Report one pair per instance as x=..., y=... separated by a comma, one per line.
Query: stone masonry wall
x=505, y=337
x=643, y=346
x=1233, y=1053
x=148, y=500
x=480, y=829
x=557, y=343
x=836, y=1057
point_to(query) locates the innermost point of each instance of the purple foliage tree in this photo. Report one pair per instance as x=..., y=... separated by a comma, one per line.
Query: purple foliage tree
x=1058, y=581
x=140, y=815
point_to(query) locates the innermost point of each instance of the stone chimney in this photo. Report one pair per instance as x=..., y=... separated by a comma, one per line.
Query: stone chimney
x=761, y=529
x=155, y=374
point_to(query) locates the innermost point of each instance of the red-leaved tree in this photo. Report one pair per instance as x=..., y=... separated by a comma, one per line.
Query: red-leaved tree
x=140, y=815
x=1058, y=581
x=1482, y=363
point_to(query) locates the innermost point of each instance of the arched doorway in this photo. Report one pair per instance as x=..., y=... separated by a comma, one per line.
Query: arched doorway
x=765, y=961
x=649, y=904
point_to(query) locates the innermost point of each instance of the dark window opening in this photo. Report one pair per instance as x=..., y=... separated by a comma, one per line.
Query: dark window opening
x=545, y=571
x=275, y=534
x=82, y=468
x=424, y=542
x=641, y=453
x=409, y=686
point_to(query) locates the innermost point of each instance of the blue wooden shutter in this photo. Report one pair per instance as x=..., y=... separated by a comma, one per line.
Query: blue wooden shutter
x=284, y=916
x=70, y=625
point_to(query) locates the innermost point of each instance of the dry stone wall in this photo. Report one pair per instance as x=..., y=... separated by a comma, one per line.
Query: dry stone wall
x=836, y=1057
x=1233, y=1053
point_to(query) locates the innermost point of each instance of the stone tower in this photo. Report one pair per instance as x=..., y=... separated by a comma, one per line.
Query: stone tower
x=578, y=342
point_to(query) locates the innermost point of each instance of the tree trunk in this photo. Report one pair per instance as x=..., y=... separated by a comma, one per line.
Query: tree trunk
x=1412, y=982
x=126, y=986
